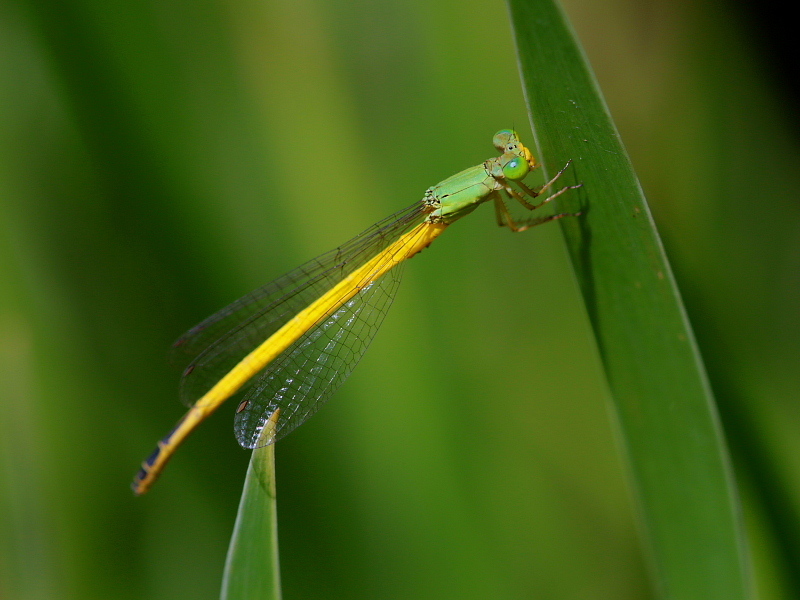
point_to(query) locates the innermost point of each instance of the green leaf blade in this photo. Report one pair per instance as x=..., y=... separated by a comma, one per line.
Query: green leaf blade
x=252, y=565
x=665, y=410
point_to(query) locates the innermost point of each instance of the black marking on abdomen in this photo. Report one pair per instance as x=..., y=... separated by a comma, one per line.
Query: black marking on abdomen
x=150, y=460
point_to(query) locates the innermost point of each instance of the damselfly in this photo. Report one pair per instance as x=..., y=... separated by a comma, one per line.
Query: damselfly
x=287, y=346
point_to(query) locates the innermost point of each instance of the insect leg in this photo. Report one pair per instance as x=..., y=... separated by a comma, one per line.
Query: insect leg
x=501, y=210
x=504, y=218
x=534, y=192
x=518, y=197
x=517, y=226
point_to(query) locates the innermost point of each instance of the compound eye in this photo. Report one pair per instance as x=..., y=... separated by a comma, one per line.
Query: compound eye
x=503, y=137
x=516, y=168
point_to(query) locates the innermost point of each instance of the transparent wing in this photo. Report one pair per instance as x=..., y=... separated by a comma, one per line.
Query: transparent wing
x=212, y=348
x=300, y=380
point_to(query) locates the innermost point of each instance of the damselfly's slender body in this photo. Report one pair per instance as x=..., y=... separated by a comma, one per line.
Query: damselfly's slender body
x=287, y=346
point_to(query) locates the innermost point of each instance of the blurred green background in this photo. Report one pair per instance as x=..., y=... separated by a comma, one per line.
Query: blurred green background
x=160, y=159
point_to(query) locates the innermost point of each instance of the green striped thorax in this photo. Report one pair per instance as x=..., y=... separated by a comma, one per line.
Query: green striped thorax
x=462, y=193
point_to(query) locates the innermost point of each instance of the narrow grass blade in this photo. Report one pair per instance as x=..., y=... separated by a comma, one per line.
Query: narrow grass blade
x=251, y=567
x=665, y=410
